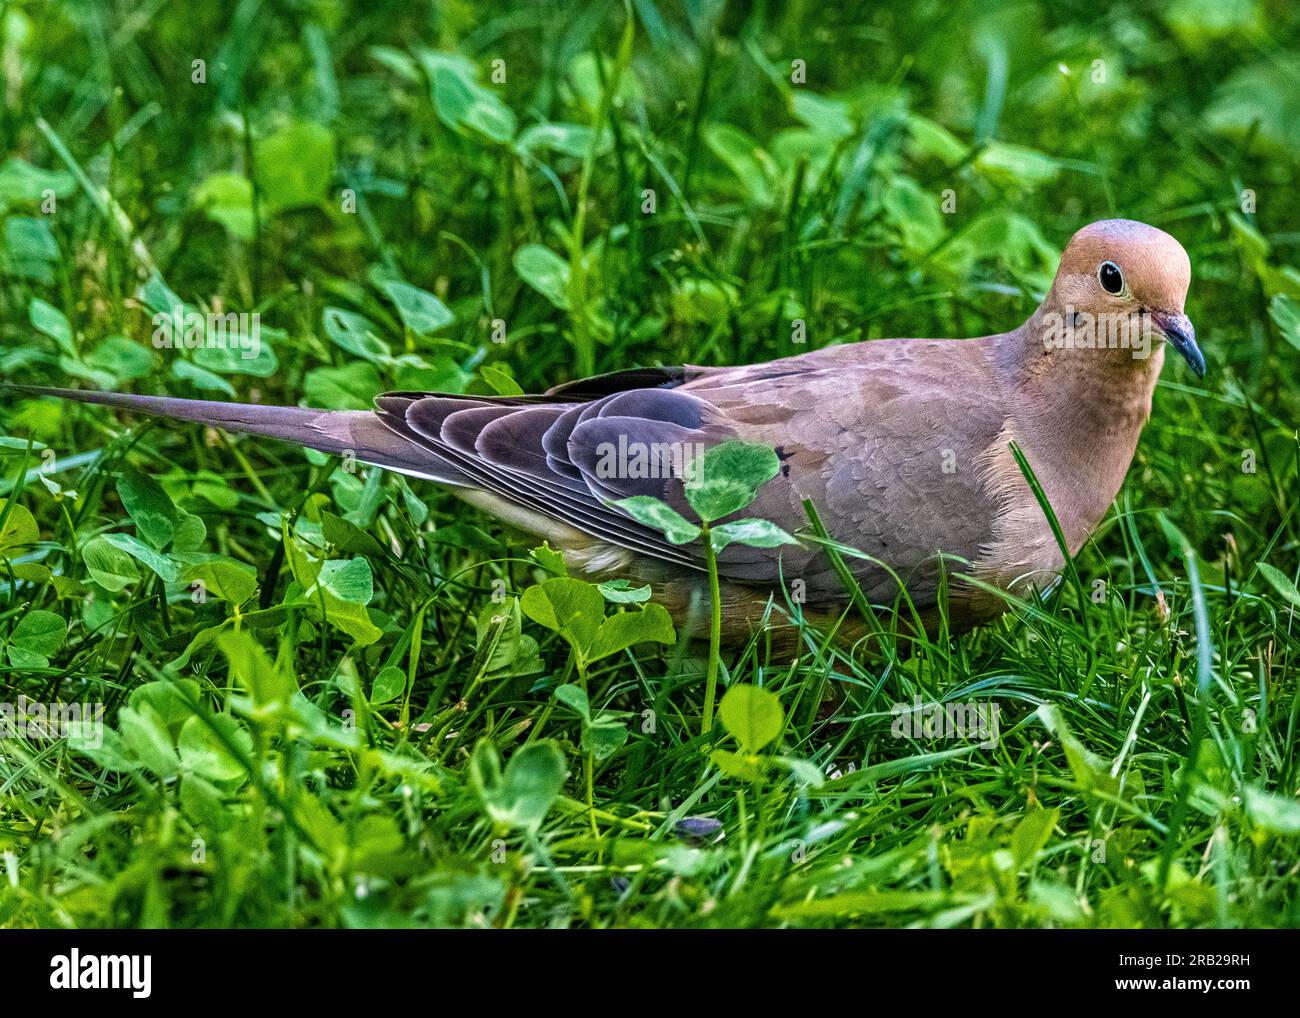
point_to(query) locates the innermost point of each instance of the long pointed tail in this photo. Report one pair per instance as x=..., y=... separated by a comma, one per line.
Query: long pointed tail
x=359, y=433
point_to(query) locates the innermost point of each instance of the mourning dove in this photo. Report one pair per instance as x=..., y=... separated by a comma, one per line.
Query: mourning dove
x=902, y=445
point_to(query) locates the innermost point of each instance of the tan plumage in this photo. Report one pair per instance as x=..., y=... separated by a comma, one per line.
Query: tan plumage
x=902, y=445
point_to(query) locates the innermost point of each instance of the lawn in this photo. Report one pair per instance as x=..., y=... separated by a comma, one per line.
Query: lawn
x=331, y=695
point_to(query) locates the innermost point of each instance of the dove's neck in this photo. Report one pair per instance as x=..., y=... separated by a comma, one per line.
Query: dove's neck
x=1077, y=410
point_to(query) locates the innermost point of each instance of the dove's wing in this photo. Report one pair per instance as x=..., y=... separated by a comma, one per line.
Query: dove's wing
x=567, y=455
x=876, y=435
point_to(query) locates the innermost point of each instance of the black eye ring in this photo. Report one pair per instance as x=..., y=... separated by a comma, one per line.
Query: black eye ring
x=1112, y=280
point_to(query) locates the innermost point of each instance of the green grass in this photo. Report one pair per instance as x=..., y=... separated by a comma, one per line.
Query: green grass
x=397, y=763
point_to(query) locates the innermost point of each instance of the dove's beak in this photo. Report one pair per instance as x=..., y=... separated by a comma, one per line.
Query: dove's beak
x=1181, y=336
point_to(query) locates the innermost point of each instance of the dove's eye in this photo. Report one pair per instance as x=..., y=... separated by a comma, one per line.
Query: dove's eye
x=1112, y=280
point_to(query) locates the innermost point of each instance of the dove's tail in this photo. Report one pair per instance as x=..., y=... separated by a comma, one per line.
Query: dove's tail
x=356, y=433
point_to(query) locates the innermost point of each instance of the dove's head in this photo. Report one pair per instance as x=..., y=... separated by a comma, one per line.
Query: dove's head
x=1119, y=274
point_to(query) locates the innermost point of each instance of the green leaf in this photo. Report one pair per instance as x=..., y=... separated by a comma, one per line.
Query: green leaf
x=346, y=587
x=159, y=563
x=650, y=624
x=805, y=772
x=914, y=213
x=1285, y=312
x=549, y=559
x=201, y=378
x=146, y=735
x=438, y=373
x=396, y=61
x=661, y=516
x=574, y=696
x=31, y=248
x=603, y=739
x=40, y=631
x=1031, y=834
x=622, y=592
x=21, y=183
x=572, y=608
x=569, y=139
x=825, y=116
x=377, y=846
x=122, y=358
x=319, y=822
x=1211, y=780
x=527, y=659
x=355, y=334
x=190, y=532
x=1260, y=100
x=104, y=746
x=232, y=346
x=349, y=580
x=1277, y=813
x=225, y=578
x=389, y=684
x=703, y=301
x=347, y=536
x=462, y=103
x=351, y=618
x=38, y=635
x=352, y=387
x=754, y=532
x=227, y=199
x=19, y=527
x=500, y=379
x=148, y=739
x=500, y=622
x=170, y=700
x=1017, y=164
x=204, y=753
x=753, y=715
x=745, y=158
x=52, y=322
x=294, y=166
x=420, y=311
x=523, y=795
x=201, y=802
x=150, y=508
x=417, y=507
x=158, y=297
x=269, y=684
x=112, y=569
x=727, y=478
x=24, y=659
x=1279, y=581
x=545, y=271
x=745, y=766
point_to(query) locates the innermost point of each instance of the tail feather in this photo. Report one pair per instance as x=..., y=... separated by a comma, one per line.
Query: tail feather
x=359, y=433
